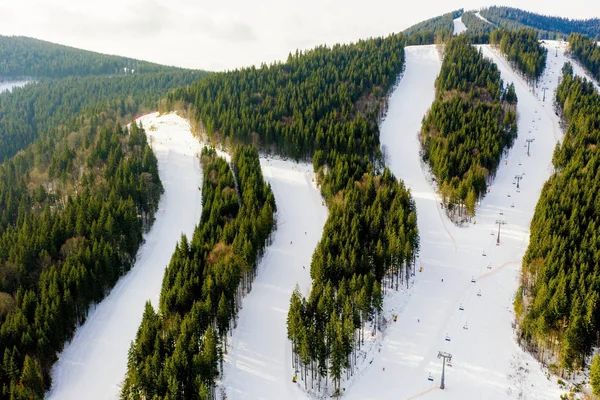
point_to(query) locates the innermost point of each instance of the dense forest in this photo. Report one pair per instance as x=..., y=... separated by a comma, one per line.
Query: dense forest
x=27, y=57
x=369, y=244
x=38, y=109
x=546, y=27
x=326, y=104
x=477, y=29
x=471, y=122
x=323, y=103
x=435, y=30
x=557, y=304
x=177, y=353
x=523, y=50
x=587, y=52
x=58, y=252
x=76, y=192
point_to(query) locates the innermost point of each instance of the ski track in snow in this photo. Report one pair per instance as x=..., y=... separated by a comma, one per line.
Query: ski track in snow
x=93, y=364
x=258, y=363
x=459, y=26
x=487, y=362
x=9, y=86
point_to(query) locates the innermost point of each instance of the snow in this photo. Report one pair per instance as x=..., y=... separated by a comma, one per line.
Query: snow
x=459, y=26
x=482, y=18
x=9, y=86
x=487, y=362
x=93, y=365
x=258, y=363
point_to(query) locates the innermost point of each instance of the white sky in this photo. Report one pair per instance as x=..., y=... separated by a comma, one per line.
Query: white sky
x=226, y=34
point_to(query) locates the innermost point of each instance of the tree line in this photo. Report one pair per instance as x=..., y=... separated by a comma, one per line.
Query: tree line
x=39, y=109
x=547, y=27
x=557, y=304
x=27, y=57
x=471, y=123
x=369, y=244
x=62, y=249
x=324, y=104
x=435, y=30
x=587, y=52
x=477, y=28
x=178, y=350
x=523, y=50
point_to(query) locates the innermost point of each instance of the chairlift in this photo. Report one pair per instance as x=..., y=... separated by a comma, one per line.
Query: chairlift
x=473, y=279
x=483, y=254
x=512, y=205
x=479, y=293
x=465, y=327
x=447, y=338
x=430, y=377
x=489, y=266
x=461, y=308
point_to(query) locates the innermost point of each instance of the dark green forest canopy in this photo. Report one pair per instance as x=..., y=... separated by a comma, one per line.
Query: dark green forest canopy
x=61, y=253
x=323, y=103
x=523, y=49
x=434, y=30
x=471, y=122
x=27, y=57
x=39, y=109
x=547, y=27
x=558, y=302
x=587, y=51
x=177, y=351
x=478, y=30
x=369, y=244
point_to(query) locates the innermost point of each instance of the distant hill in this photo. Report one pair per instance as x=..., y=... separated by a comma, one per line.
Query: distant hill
x=23, y=56
x=437, y=28
x=547, y=27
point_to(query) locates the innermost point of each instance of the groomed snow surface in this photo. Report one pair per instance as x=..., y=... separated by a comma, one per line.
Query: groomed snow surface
x=259, y=359
x=459, y=26
x=9, y=86
x=487, y=362
x=93, y=365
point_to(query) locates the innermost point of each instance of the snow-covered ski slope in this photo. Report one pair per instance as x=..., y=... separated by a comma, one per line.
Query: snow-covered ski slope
x=93, y=365
x=487, y=363
x=459, y=26
x=258, y=363
x=9, y=86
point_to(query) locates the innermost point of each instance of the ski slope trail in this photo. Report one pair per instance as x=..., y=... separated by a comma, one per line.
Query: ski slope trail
x=93, y=365
x=259, y=364
x=461, y=302
x=459, y=26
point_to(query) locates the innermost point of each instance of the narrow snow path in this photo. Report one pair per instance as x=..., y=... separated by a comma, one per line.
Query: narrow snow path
x=93, y=365
x=470, y=320
x=459, y=26
x=478, y=15
x=9, y=86
x=258, y=364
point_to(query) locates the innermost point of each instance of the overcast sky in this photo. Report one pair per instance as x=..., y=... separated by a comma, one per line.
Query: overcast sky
x=225, y=34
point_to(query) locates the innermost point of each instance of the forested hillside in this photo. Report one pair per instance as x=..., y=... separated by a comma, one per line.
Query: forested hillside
x=325, y=104
x=38, y=109
x=477, y=29
x=27, y=57
x=471, y=122
x=546, y=27
x=434, y=30
x=523, y=50
x=587, y=51
x=557, y=305
x=178, y=350
x=369, y=244
x=59, y=253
